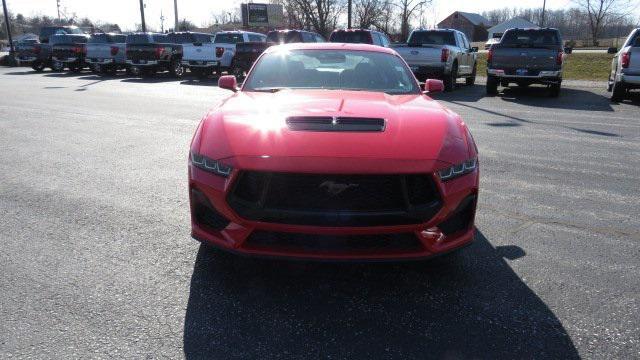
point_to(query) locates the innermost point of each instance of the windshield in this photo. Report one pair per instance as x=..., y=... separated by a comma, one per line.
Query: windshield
x=432, y=38
x=229, y=38
x=331, y=69
x=531, y=38
x=351, y=37
x=284, y=37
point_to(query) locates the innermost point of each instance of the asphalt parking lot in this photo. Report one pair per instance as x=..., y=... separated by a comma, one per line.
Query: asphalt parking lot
x=96, y=257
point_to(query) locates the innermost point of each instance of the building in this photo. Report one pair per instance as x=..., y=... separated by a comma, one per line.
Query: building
x=473, y=25
x=499, y=29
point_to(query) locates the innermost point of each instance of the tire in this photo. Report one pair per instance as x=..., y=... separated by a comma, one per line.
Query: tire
x=554, y=90
x=57, y=66
x=450, y=81
x=38, y=66
x=177, y=70
x=134, y=71
x=492, y=85
x=97, y=68
x=472, y=79
x=618, y=92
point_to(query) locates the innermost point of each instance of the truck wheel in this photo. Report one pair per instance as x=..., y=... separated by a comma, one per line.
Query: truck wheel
x=492, y=85
x=134, y=71
x=554, y=90
x=96, y=68
x=38, y=66
x=472, y=79
x=57, y=66
x=177, y=69
x=450, y=81
x=619, y=92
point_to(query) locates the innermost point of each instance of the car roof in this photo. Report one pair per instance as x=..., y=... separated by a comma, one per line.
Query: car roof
x=331, y=46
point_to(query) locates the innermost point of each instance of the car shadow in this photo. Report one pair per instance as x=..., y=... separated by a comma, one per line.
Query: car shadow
x=462, y=92
x=569, y=99
x=466, y=305
x=64, y=74
x=28, y=72
x=156, y=78
x=211, y=81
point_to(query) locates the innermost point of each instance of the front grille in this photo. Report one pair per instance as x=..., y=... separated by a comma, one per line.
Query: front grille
x=334, y=200
x=405, y=242
x=327, y=123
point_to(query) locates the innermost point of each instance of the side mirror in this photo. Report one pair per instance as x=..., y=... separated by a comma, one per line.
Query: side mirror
x=612, y=50
x=568, y=50
x=474, y=49
x=228, y=82
x=432, y=86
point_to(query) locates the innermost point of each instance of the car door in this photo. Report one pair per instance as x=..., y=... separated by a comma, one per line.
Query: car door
x=464, y=65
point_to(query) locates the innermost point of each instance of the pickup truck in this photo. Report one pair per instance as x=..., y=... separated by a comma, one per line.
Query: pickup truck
x=625, y=68
x=198, y=52
x=248, y=52
x=70, y=50
x=225, y=46
x=148, y=53
x=40, y=54
x=525, y=57
x=360, y=36
x=106, y=53
x=442, y=54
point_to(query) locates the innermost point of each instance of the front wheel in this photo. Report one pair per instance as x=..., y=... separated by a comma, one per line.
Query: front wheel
x=38, y=65
x=177, y=69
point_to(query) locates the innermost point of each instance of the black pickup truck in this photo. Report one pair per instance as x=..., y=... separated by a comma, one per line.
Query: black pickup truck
x=148, y=53
x=39, y=55
x=248, y=52
x=525, y=57
x=70, y=50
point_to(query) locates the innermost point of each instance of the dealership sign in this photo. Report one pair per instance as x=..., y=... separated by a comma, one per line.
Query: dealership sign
x=262, y=14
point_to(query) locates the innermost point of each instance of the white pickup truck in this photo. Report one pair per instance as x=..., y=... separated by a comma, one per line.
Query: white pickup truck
x=225, y=45
x=442, y=54
x=198, y=53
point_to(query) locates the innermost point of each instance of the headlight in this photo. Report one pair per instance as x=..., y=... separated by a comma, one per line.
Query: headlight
x=458, y=170
x=210, y=165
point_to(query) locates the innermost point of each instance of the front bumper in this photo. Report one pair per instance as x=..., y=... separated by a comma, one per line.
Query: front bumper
x=400, y=242
x=199, y=64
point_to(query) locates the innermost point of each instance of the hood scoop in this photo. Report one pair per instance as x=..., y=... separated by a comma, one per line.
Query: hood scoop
x=337, y=124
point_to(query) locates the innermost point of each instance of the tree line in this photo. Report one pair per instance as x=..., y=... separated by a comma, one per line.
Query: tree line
x=396, y=18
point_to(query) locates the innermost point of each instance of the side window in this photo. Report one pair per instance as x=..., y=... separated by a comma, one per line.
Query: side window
x=319, y=38
x=254, y=38
x=466, y=42
x=307, y=37
x=376, y=39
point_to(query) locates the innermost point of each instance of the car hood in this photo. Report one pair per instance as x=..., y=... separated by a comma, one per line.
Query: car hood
x=253, y=124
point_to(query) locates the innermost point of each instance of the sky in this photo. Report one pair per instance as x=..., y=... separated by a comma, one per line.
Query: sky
x=126, y=13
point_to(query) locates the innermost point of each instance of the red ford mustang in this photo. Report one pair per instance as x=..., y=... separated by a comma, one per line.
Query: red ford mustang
x=333, y=151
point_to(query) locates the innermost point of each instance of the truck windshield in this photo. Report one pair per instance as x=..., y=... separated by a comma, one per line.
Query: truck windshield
x=419, y=38
x=530, y=38
x=332, y=70
x=229, y=38
x=284, y=37
x=356, y=37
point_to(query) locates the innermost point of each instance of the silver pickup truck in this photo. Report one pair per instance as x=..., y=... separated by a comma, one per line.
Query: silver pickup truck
x=525, y=57
x=625, y=68
x=225, y=46
x=198, y=53
x=106, y=53
x=442, y=54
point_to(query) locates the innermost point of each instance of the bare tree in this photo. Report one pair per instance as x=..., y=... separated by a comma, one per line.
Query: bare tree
x=321, y=15
x=407, y=9
x=368, y=13
x=601, y=11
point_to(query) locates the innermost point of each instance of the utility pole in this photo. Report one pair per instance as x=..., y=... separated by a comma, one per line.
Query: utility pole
x=349, y=14
x=544, y=7
x=161, y=22
x=175, y=10
x=58, y=5
x=6, y=22
x=144, y=26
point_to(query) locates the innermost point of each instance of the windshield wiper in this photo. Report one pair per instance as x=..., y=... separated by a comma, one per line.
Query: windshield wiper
x=270, y=89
